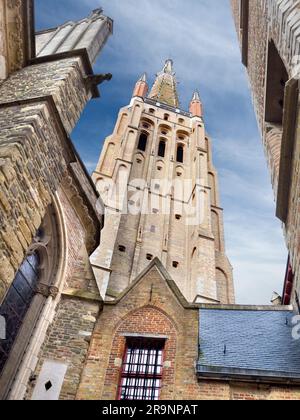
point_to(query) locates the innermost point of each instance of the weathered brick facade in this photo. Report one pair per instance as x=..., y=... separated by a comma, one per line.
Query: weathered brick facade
x=154, y=303
x=140, y=311
x=48, y=204
x=71, y=343
x=153, y=306
x=178, y=216
x=67, y=339
x=268, y=34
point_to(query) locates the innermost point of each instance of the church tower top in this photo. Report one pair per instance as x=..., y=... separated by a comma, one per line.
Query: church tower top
x=164, y=89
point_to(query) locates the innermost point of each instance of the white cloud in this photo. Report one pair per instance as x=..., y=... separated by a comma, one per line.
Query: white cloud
x=204, y=49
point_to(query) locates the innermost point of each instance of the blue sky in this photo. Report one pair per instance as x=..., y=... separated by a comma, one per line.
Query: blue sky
x=200, y=37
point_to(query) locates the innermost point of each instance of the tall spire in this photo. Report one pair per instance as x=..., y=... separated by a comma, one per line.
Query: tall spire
x=164, y=89
x=141, y=87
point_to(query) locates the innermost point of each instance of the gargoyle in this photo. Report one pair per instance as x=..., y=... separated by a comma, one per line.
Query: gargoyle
x=94, y=80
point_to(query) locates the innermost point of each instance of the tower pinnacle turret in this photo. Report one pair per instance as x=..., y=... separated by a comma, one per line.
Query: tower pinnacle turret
x=196, y=108
x=164, y=89
x=141, y=87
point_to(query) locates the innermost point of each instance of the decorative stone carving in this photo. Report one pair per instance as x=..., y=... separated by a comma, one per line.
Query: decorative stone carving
x=47, y=291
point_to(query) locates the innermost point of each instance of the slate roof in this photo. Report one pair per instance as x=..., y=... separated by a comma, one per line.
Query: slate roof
x=248, y=344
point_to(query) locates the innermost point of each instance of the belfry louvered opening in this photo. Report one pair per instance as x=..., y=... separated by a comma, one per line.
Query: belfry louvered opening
x=142, y=369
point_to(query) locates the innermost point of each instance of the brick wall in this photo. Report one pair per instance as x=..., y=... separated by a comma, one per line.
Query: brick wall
x=145, y=312
x=67, y=339
x=34, y=153
x=248, y=392
x=155, y=322
x=278, y=21
x=160, y=312
x=292, y=228
x=31, y=166
x=160, y=234
x=40, y=105
x=62, y=79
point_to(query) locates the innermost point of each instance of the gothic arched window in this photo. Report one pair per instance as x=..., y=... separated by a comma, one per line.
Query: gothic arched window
x=17, y=303
x=33, y=285
x=162, y=148
x=143, y=142
x=180, y=154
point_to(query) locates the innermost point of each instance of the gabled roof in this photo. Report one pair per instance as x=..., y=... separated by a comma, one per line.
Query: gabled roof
x=250, y=345
x=156, y=263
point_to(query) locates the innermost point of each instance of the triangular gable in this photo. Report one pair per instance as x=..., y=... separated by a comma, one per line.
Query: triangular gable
x=156, y=263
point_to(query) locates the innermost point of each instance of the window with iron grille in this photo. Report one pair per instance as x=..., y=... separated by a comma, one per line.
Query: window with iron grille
x=142, y=370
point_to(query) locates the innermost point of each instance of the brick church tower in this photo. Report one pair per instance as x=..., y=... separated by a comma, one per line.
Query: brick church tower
x=160, y=189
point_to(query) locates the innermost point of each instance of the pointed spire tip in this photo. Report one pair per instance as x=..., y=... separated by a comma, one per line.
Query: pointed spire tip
x=196, y=96
x=143, y=78
x=168, y=67
x=164, y=89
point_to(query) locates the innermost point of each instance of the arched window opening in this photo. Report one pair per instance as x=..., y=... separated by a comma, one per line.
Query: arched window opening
x=34, y=283
x=180, y=154
x=143, y=142
x=162, y=149
x=194, y=252
x=17, y=303
x=166, y=117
